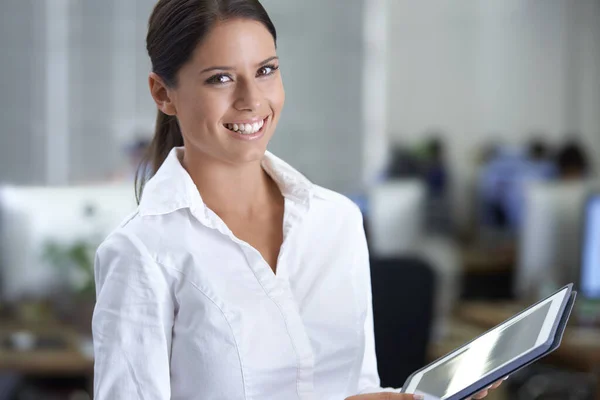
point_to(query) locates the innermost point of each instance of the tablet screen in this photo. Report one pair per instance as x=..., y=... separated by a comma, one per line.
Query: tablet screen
x=507, y=343
x=488, y=353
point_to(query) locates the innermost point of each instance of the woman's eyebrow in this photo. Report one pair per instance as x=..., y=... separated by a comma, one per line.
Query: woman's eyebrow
x=226, y=68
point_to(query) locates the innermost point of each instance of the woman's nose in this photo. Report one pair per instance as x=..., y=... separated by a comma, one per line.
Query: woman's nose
x=249, y=97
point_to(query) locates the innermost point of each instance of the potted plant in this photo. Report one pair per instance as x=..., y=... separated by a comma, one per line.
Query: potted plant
x=75, y=261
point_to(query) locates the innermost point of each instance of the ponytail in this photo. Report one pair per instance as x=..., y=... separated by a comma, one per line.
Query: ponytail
x=167, y=135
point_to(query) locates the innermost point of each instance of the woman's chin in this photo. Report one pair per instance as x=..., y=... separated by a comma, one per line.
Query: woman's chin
x=251, y=155
x=247, y=151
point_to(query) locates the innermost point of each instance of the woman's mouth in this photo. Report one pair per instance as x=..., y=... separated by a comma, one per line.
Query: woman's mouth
x=246, y=128
x=249, y=129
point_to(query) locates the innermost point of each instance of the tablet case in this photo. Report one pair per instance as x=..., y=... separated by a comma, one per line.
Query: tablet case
x=557, y=335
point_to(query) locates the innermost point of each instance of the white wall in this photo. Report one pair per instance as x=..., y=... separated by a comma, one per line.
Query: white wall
x=22, y=106
x=374, y=88
x=493, y=69
x=71, y=81
x=585, y=73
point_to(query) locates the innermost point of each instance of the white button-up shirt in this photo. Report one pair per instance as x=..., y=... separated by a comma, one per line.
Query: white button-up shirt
x=187, y=311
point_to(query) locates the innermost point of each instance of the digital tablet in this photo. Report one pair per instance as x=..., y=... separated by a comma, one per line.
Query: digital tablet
x=502, y=350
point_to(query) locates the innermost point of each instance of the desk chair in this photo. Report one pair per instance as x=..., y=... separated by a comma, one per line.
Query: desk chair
x=403, y=310
x=8, y=385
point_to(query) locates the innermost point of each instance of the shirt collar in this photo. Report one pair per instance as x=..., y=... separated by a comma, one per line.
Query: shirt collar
x=172, y=188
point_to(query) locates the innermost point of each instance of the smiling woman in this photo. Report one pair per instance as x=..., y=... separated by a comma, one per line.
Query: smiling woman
x=208, y=74
x=237, y=278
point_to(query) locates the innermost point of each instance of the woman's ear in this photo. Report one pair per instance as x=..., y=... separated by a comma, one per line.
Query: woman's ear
x=161, y=94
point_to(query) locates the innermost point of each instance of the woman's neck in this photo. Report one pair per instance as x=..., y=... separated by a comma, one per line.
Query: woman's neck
x=229, y=189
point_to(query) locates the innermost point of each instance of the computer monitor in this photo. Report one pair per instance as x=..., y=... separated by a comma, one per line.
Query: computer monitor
x=589, y=282
x=550, y=236
x=31, y=217
x=395, y=217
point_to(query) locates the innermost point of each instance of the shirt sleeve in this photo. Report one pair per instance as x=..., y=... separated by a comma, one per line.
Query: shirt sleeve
x=369, y=376
x=131, y=325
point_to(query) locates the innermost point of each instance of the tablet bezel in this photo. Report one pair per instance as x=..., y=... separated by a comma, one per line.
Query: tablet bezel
x=558, y=301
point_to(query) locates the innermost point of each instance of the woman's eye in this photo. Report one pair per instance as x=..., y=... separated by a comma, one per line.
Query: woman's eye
x=219, y=79
x=267, y=70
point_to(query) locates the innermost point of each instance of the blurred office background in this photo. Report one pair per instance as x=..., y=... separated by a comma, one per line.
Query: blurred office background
x=468, y=132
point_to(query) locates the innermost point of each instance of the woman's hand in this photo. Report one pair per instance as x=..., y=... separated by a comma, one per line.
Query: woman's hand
x=484, y=393
x=386, y=396
x=404, y=396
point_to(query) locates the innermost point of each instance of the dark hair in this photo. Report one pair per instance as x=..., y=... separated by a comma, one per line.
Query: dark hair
x=538, y=149
x=572, y=159
x=175, y=29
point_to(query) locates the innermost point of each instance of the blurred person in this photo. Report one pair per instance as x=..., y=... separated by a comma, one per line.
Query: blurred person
x=572, y=162
x=402, y=164
x=486, y=153
x=436, y=171
x=237, y=277
x=539, y=164
x=136, y=164
x=539, y=150
x=438, y=216
x=495, y=180
x=504, y=178
x=536, y=166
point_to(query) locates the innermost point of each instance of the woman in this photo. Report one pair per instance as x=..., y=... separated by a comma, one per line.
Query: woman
x=236, y=278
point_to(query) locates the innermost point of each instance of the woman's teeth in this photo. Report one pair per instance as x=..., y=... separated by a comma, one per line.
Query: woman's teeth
x=246, y=129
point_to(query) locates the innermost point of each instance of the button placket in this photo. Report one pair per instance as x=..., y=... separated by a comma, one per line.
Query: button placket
x=277, y=288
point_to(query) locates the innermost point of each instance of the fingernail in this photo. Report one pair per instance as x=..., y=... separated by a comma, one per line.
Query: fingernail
x=419, y=397
x=505, y=378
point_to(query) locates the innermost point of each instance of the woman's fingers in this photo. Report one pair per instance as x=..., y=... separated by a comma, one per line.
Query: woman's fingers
x=402, y=396
x=481, y=394
x=386, y=396
x=497, y=384
x=484, y=393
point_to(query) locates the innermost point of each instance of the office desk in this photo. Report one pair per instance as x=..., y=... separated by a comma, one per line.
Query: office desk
x=579, y=350
x=67, y=360
x=478, y=260
x=487, y=273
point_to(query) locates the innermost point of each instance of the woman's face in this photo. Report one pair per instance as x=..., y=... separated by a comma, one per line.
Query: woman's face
x=228, y=98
